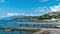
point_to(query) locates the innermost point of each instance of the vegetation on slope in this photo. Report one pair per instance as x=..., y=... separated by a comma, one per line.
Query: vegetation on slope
x=55, y=15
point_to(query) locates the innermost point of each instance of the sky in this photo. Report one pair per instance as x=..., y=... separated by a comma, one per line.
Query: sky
x=28, y=7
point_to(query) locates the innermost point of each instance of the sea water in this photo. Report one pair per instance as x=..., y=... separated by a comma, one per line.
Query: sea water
x=7, y=23
x=16, y=24
x=11, y=24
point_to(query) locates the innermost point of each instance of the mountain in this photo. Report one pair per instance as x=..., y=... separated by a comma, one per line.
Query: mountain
x=25, y=18
x=11, y=17
x=50, y=15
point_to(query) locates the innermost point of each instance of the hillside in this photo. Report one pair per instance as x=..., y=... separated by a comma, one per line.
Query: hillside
x=55, y=15
x=11, y=17
x=51, y=15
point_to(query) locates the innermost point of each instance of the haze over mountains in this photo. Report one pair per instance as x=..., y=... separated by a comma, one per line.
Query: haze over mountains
x=50, y=15
x=11, y=17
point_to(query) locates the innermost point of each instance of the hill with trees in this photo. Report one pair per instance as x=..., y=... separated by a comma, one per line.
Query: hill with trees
x=50, y=15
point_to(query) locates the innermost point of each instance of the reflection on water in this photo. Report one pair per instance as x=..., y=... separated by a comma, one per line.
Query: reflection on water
x=15, y=24
x=10, y=32
x=12, y=24
x=6, y=23
x=23, y=32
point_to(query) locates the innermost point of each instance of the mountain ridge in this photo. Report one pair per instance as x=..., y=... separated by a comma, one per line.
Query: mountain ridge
x=11, y=17
x=50, y=15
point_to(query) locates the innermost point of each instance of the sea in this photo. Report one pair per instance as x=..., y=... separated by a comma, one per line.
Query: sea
x=15, y=24
x=12, y=24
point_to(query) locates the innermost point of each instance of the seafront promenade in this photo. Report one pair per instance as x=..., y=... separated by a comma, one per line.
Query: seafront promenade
x=33, y=27
x=32, y=30
x=48, y=31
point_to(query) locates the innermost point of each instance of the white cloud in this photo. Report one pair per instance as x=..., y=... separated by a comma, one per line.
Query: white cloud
x=15, y=14
x=47, y=9
x=39, y=9
x=43, y=0
x=32, y=15
x=12, y=14
x=55, y=8
x=2, y=0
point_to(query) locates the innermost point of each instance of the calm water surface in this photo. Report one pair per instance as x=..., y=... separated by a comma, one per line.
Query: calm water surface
x=15, y=24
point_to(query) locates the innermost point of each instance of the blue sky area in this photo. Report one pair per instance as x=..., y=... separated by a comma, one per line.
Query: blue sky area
x=28, y=7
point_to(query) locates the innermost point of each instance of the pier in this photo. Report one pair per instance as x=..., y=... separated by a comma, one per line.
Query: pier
x=20, y=29
x=32, y=30
x=33, y=27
